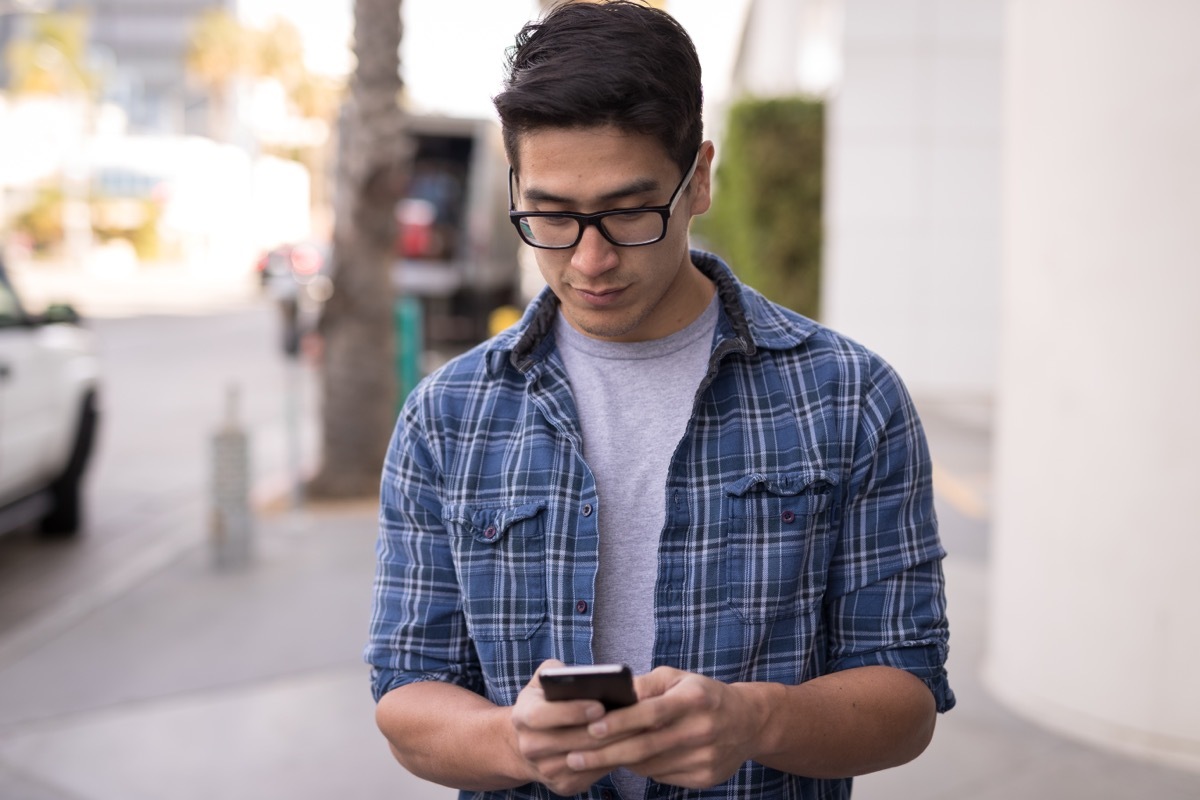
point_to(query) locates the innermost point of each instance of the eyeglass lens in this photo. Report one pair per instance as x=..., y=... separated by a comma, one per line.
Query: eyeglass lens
x=626, y=228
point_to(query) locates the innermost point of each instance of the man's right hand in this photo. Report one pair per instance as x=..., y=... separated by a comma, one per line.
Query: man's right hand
x=547, y=730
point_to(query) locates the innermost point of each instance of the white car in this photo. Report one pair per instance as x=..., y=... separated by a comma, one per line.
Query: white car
x=49, y=388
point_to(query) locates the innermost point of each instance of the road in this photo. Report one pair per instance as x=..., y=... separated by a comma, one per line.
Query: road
x=167, y=380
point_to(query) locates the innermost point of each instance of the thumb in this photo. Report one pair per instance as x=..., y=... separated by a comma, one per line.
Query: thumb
x=656, y=682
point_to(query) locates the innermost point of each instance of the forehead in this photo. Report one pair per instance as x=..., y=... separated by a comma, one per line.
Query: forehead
x=556, y=154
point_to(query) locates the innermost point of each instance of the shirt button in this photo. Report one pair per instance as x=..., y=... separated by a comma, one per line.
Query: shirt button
x=581, y=606
x=788, y=516
x=490, y=533
x=587, y=509
x=605, y=794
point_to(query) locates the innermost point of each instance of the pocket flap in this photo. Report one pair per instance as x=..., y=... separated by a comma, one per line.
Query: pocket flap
x=786, y=484
x=490, y=524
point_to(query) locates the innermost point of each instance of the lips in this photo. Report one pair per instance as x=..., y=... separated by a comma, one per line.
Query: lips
x=599, y=296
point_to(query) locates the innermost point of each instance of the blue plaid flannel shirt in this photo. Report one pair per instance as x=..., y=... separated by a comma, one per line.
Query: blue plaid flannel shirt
x=800, y=536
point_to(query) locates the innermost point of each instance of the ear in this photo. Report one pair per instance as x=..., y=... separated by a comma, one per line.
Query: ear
x=701, y=189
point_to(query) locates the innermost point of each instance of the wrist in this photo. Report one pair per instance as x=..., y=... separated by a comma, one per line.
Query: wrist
x=762, y=702
x=518, y=770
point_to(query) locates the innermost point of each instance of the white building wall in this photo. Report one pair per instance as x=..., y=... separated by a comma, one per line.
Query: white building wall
x=1095, y=544
x=787, y=47
x=912, y=261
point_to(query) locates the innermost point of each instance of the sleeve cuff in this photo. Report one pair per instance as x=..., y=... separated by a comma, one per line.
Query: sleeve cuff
x=925, y=660
x=385, y=680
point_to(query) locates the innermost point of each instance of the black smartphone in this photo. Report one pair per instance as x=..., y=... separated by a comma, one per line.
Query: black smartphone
x=611, y=684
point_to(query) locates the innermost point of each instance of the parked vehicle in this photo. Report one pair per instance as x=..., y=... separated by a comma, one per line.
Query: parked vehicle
x=295, y=263
x=49, y=410
x=455, y=252
x=298, y=276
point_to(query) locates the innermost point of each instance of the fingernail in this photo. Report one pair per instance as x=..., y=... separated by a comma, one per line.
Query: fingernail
x=574, y=761
x=598, y=729
x=594, y=712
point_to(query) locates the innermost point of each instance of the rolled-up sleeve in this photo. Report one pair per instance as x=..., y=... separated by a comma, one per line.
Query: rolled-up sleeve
x=418, y=631
x=886, y=602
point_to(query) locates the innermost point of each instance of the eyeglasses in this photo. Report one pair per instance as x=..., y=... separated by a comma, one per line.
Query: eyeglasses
x=624, y=227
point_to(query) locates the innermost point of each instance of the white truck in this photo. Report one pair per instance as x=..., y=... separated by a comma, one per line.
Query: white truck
x=456, y=251
x=49, y=410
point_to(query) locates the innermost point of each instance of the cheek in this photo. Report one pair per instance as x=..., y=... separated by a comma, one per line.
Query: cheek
x=549, y=263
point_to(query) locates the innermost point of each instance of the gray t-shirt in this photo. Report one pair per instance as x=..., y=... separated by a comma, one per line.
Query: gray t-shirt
x=634, y=401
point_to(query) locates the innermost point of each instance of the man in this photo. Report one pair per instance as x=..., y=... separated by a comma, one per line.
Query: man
x=658, y=467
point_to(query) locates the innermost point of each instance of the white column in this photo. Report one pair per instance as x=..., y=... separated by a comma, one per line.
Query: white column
x=1095, y=616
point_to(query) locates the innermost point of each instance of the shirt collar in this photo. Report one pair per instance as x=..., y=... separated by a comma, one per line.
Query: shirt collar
x=748, y=322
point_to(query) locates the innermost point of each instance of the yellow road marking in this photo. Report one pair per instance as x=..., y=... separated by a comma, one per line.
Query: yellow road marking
x=958, y=493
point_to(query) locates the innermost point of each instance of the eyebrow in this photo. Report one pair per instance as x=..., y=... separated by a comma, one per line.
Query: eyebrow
x=636, y=186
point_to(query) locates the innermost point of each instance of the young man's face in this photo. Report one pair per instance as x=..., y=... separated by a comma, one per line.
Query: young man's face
x=609, y=292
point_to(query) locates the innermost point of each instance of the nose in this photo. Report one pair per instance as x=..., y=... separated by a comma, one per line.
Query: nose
x=594, y=254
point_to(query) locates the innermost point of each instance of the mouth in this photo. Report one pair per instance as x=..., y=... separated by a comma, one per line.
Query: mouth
x=599, y=297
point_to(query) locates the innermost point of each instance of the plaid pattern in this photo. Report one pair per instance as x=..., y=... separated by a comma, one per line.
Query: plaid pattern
x=800, y=536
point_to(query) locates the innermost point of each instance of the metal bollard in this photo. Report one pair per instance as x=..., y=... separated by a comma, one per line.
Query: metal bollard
x=231, y=532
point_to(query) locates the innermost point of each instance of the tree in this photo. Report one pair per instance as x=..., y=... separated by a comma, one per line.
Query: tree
x=277, y=52
x=53, y=59
x=359, y=391
x=766, y=214
x=218, y=53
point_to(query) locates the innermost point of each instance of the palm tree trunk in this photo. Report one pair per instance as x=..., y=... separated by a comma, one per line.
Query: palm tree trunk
x=359, y=391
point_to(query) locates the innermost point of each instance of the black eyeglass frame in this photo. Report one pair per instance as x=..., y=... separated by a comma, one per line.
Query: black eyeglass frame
x=585, y=220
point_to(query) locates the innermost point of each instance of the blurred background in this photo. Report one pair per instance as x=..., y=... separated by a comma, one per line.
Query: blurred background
x=235, y=233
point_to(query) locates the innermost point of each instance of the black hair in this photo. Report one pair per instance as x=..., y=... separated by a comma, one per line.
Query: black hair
x=619, y=63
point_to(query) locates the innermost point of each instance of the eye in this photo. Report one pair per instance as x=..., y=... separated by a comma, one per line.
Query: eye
x=626, y=217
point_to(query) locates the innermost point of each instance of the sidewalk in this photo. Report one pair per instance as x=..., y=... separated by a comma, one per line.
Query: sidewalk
x=196, y=683
x=981, y=751
x=199, y=683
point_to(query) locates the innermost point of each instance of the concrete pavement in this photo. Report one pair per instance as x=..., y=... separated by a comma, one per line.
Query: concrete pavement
x=196, y=683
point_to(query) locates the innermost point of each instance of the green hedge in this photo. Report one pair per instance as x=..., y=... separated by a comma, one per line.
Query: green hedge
x=766, y=215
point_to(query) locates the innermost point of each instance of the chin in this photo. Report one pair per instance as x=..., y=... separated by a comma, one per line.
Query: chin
x=602, y=326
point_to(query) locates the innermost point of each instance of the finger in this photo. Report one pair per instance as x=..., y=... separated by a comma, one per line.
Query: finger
x=533, y=710
x=624, y=751
x=644, y=715
x=543, y=713
x=556, y=742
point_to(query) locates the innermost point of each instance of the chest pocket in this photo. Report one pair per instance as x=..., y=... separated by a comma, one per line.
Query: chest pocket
x=500, y=556
x=778, y=544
